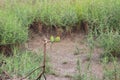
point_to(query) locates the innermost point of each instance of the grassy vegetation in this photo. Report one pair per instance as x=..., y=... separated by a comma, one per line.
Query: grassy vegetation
x=23, y=63
x=11, y=29
x=18, y=15
x=110, y=42
x=103, y=19
x=110, y=71
x=102, y=16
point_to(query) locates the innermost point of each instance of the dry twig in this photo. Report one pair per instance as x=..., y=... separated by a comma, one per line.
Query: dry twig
x=44, y=61
x=44, y=65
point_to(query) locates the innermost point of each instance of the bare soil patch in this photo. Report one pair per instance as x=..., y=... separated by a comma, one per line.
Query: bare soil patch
x=63, y=58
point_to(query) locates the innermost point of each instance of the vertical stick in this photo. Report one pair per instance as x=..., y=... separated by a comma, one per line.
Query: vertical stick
x=45, y=43
x=44, y=60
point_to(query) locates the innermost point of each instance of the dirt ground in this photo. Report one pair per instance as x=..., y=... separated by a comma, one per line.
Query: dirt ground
x=63, y=58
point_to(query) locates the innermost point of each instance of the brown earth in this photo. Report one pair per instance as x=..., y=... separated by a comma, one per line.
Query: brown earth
x=63, y=57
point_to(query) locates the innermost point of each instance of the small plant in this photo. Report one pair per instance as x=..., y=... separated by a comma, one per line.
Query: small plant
x=110, y=44
x=77, y=51
x=111, y=71
x=83, y=74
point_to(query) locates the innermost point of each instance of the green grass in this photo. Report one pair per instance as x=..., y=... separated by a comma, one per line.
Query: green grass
x=11, y=30
x=18, y=15
x=111, y=71
x=102, y=14
x=15, y=19
x=110, y=42
x=22, y=63
x=66, y=14
x=103, y=17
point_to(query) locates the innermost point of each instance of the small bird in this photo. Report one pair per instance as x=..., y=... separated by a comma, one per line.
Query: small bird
x=57, y=39
x=52, y=39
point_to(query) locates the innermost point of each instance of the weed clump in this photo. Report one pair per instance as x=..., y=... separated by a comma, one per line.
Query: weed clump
x=22, y=63
x=110, y=42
